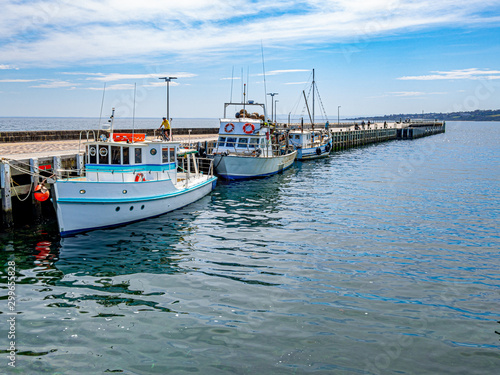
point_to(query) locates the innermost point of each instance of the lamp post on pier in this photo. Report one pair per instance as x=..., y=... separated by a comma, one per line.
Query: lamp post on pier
x=275, y=110
x=272, y=102
x=167, y=80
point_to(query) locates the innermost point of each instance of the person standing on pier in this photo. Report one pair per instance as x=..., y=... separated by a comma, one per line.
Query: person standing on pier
x=166, y=129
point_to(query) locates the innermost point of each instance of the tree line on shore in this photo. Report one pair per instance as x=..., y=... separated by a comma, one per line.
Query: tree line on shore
x=477, y=115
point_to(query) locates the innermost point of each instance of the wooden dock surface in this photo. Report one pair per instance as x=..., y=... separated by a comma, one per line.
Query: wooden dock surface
x=28, y=150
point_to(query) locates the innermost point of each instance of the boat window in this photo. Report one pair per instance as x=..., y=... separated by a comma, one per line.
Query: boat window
x=172, y=155
x=254, y=142
x=243, y=142
x=126, y=159
x=297, y=136
x=222, y=140
x=115, y=155
x=230, y=142
x=164, y=155
x=103, y=155
x=92, y=153
x=138, y=156
x=262, y=143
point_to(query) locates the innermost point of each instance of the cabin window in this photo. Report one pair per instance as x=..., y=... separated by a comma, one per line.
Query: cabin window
x=138, y=155
x=263, y=143
x=115, y=155
x=230, y=142
x=297, y=137
x=222, y=140
x=103, y=155
x=164, y=155
x=172, y=155
x=126, y=159
x=254, y=142
x=243, y=143
x=92, y=153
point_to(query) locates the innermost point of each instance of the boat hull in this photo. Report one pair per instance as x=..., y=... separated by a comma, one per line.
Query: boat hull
x=312, y=153
x=77, y=213
x=237, y=167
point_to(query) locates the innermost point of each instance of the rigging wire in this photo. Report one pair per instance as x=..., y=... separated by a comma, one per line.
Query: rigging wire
x=264, y=74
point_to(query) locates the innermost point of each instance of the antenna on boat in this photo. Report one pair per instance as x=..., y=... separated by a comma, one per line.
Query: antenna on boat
x=112, y=121
x=248, y=82
x=100, y=114
x=244, y=97
x=242, y=87
x=232, y=79
x=263, y=73
x=133, y=114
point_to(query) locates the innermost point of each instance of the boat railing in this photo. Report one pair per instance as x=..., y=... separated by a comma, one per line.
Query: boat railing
x=195, y=166
x=103, y=175
x=273, y=149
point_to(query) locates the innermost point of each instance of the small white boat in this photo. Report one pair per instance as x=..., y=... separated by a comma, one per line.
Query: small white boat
x=246, y=148
x=127, y=179
x=310, y=144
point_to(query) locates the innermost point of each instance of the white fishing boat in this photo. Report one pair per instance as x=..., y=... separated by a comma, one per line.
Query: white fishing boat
x=248, y=148
x=128, y=178
x=311, y=144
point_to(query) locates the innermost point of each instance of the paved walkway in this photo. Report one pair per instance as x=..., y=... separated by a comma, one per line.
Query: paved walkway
x=26, y=150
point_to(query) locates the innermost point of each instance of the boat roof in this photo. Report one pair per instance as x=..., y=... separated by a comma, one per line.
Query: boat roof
x=131, y=144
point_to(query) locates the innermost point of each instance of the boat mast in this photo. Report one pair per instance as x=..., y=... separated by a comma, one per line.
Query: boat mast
x=313, y=87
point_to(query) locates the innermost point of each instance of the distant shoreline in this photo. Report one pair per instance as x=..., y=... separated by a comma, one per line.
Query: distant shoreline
x=478, y=115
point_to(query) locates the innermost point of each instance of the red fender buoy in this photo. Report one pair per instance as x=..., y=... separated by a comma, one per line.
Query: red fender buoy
x=41, y=193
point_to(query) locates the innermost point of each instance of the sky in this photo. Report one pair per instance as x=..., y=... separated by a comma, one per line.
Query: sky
x=63, y=58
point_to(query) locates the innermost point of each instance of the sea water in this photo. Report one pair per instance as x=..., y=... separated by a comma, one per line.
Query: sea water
x=382, y=259
x=8, y=124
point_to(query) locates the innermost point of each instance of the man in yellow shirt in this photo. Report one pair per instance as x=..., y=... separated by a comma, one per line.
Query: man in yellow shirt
x=165, y=129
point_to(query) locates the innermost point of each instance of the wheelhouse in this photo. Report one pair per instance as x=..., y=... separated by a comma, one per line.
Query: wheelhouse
x=114, y=160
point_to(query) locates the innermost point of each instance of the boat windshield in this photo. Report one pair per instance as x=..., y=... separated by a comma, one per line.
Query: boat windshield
x=242, y=143
x=254, y=143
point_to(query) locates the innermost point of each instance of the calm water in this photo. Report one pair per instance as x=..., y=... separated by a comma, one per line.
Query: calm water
x=76, y=123
x=379, y=260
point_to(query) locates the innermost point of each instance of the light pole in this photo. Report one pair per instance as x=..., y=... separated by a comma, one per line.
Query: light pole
x=338, y=115
x=167, y=80
x=272, y=102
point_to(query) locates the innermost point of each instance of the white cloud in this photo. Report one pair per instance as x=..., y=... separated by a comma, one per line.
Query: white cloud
x=5, y=67
x=472, y=73
x=110, y=31
x=407, y=94
x=54, y=84
x=276, y=72
x=118, y=86
x=18, y=80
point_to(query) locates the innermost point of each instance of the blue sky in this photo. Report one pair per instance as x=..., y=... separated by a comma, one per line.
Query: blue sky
x=370, y=57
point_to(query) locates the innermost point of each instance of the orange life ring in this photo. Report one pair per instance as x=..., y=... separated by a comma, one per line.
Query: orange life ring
x=41, y=193
x=229, y=127
x=247, y=131
x=139, y=177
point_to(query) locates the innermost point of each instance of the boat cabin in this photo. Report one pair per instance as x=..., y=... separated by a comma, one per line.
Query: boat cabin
x=113, y=160
x=299, y=139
